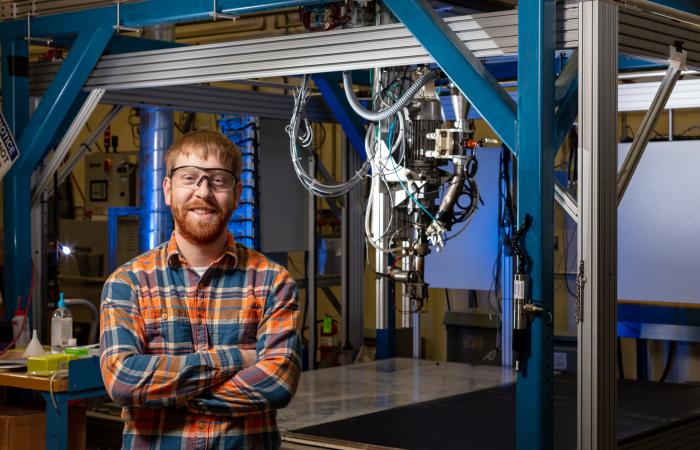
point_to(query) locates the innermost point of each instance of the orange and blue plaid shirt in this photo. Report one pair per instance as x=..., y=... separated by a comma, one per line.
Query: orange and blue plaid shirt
x=171, y=342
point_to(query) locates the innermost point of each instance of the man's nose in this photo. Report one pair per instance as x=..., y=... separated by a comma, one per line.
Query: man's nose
x=203, y=189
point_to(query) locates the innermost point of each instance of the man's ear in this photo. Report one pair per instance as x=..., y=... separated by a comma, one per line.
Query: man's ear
x=167, y=187
x=238, y=191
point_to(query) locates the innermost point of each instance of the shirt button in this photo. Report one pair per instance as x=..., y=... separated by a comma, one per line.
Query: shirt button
x=202, y=424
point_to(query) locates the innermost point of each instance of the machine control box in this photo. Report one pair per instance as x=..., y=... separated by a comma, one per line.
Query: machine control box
x=110, y=180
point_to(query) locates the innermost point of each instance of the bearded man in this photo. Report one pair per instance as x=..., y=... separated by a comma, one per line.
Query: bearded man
x=199, y=340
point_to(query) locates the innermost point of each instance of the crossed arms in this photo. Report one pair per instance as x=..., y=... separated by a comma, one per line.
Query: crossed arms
x=217, y=381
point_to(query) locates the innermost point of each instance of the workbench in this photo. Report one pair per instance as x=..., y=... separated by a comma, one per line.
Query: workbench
x=84, y=381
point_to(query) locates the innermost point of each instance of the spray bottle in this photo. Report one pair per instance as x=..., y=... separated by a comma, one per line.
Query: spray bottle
x=61, y=327
x=20, y=326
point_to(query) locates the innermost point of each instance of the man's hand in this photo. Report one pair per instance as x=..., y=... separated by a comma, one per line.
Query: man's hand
x=250, y=357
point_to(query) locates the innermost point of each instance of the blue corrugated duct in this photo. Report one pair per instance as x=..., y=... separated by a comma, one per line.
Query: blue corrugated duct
x=156, y=136
x=244, y=223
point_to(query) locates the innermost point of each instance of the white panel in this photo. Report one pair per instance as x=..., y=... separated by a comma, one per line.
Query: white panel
x=282, y=198
x=467, y=261
x=638, y=96
x=659, y=225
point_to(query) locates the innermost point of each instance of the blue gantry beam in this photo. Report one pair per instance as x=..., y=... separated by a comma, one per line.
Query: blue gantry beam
x=138, y=15
x=328, y=84
x=461, y=66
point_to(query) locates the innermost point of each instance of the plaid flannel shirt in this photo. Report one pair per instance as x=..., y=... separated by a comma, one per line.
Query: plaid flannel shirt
x=170, y=349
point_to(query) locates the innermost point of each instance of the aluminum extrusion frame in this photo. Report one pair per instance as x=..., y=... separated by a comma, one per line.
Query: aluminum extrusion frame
x=597, y=226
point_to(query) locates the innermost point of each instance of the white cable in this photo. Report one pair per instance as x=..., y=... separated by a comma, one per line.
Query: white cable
x=62, y=373
x=368, y=213
x=310, y=182
x=398, y=105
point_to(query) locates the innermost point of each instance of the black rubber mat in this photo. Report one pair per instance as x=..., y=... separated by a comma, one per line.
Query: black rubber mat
x=486, y=419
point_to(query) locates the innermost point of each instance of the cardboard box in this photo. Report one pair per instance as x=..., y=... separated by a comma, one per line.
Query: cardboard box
x=25, y=428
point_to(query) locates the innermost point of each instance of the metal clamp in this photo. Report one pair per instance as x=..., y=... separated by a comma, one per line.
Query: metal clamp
x=531, y=308
x=217, y=15
x=119, y=27
x=29, y=38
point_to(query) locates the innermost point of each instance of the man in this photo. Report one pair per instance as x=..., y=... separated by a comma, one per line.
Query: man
x=199, y=340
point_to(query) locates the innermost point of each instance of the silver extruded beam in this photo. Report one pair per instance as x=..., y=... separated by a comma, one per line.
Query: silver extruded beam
x=354, y=207
x=69, y=165
x=634, y=155
x=67, y=142
x=647, y=36
x=566, y=200
x=219, y=100
x=488, y=34
x=650, y=74
x=311, y=269
x=597, y=226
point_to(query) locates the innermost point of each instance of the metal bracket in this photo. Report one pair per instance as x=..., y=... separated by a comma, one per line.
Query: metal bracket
x=677, y=59
x=29, y=38
x=566, y=200
x=46, y=176
x=119, y=27
x=217, y=15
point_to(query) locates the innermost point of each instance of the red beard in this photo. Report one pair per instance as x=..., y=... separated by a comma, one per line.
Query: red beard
x=201, y=230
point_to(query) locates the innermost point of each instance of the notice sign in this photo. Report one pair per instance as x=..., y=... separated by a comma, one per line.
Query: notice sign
x=8, y=147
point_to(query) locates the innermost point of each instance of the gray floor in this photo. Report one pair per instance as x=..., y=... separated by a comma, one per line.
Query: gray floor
x=327, y=395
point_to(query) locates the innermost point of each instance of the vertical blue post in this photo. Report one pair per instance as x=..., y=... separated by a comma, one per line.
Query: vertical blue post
x=534, y=405
x=15, y=108
x=56, y=421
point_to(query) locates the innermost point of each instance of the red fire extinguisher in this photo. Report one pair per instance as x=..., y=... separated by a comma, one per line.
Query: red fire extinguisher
x=329, y=337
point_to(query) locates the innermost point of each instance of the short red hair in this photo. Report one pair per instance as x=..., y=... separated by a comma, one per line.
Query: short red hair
x=206, y=143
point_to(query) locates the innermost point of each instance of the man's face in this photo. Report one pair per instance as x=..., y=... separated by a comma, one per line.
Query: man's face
x=200, y=212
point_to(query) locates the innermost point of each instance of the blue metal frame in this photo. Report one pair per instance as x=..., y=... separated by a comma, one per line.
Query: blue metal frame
x=34, y=142
x=464, y=69
x=138, y=15
x=84, y=381
x=328, y=84
x=536, y=38
x=124, y=44
x=15, y=108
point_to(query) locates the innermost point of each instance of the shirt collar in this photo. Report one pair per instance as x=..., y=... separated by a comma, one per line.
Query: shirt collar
x=174, y=258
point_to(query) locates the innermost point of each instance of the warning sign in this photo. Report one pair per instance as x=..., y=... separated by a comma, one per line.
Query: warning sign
x=8, y=147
